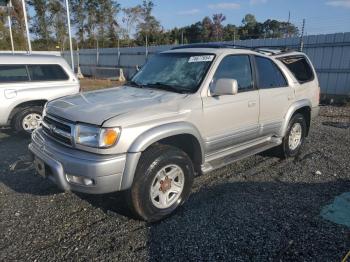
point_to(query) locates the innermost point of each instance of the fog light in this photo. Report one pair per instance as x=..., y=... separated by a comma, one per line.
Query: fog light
x=80, y=180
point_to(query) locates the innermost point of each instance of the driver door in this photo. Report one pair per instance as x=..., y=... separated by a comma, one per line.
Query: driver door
x=232, y=119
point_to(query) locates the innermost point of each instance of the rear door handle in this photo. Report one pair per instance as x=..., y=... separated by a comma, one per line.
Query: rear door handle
x=251, y=103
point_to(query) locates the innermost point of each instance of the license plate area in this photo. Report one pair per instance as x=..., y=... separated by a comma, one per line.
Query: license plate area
x=40, y=167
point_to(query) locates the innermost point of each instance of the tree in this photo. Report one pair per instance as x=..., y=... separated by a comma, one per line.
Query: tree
x=79, y=18
x=207, y=29
x=58, y=18
x=18, y=26
x=149, y=27
x=230, y=32
x=250, y=27
x=217, y=26
x=112, y=25
x=132, y=16
x=41, y=24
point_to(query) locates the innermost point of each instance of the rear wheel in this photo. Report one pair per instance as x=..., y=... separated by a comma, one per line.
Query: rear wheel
x=28, y=119
x=162, y=182
x=294, y=138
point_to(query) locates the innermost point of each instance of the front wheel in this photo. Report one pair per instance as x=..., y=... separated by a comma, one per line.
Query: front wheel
x=28, y=119
x=162, y=182
x=295, y=137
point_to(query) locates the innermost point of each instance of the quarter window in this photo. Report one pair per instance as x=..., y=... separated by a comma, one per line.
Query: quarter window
x=236, y=67
x=13, y=73
x=299, y=67
x=269, y=75
x=47, y=73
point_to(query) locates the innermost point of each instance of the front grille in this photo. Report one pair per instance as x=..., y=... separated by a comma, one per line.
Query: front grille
x=57, y=130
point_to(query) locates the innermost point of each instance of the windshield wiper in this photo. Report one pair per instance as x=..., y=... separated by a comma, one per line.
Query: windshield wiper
x=166, y=87
x=134, y=84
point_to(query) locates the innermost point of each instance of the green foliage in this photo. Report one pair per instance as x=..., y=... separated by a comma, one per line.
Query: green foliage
x=95, y=24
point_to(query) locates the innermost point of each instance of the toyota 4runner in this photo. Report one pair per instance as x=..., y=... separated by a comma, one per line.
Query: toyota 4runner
x=188, y=111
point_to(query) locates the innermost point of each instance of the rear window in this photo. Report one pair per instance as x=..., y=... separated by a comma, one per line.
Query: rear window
x=300, y=68
x=13, y=73
x=47, y=73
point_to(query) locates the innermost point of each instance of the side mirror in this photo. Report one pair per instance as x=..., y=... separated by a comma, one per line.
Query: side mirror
x=224, y=86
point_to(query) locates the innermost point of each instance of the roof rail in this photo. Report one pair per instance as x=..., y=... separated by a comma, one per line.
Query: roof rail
x=276, y=50
x=210, y=45
x=271, y=51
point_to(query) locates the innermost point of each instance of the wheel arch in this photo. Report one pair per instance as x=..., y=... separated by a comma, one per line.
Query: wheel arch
x=22, y=105
x=302, y=106
x=166, y=131
x=183, y=135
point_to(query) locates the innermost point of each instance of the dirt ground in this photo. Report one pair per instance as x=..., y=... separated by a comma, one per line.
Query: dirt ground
x=258, y=209
x=89, y=84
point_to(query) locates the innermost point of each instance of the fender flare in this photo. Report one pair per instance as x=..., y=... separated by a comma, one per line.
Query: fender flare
x=143, y=141
x=291, y=110
x=163, y=131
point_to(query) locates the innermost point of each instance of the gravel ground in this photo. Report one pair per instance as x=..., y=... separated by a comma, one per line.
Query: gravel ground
x=258, y=209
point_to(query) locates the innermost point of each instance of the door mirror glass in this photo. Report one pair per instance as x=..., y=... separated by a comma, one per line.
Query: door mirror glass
x=224, y=86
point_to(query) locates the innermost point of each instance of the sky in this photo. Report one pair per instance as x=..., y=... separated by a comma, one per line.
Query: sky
x=322, y=16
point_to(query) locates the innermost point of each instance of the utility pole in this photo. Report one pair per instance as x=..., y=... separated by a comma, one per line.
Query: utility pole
x=302, y=37
x=288, y=24
x=10, y=25
x=26, y=24
x=234, y=36
x=70, y=35
x=182, y=37
x=146, y=46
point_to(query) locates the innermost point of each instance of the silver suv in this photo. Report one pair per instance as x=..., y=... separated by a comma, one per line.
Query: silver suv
x=188, y=111
x=27, y=82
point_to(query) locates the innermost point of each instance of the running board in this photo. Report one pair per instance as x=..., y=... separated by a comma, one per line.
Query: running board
x=239, y=153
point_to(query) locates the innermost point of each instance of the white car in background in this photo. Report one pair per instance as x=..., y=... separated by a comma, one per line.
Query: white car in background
x=27, y=82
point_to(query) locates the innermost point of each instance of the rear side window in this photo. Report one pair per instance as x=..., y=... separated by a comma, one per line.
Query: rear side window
x=300, y=68
x=13, y=73
x=47, y=73
x=269, y=75
x=236, y=67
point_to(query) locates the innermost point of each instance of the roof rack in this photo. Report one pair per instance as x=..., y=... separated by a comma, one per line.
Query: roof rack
x=210, y=45
x=276, y=50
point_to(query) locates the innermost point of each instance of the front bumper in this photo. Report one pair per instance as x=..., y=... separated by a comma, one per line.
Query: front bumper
x=106, y=171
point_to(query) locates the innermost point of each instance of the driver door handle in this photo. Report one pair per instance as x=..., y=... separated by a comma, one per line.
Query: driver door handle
x=251, y=103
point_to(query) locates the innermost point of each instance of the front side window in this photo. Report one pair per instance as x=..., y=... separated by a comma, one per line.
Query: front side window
x=176, y=72
x=47, y=73
x=299, y=67
x=236, y=67
x=13, y=73
x=269, y=75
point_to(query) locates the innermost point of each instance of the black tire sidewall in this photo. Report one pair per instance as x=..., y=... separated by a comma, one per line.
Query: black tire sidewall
x=18, y=119
x=144, y=178
x=298, y=118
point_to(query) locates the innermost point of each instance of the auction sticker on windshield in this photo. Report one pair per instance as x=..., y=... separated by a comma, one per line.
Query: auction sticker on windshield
x=201, y=58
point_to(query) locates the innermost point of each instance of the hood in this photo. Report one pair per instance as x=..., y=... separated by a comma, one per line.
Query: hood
x=98, y=106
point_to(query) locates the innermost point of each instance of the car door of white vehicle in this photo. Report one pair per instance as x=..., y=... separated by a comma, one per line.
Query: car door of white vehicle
x=232, y=119
x=276, y=95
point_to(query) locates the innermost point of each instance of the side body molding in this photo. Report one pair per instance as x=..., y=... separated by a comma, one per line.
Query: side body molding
x=151, y=136
x=294, y=107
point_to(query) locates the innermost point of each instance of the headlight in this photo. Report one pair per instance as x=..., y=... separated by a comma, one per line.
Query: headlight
x=96, y=137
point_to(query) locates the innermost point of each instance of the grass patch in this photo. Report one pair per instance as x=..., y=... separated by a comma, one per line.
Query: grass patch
x=89, y=84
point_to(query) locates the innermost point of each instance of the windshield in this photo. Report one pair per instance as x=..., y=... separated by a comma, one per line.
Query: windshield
x=176, y=72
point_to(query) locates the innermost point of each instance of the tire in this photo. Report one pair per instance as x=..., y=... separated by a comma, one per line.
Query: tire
x=154, y=163
x=288, y=148
x=21, y=122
